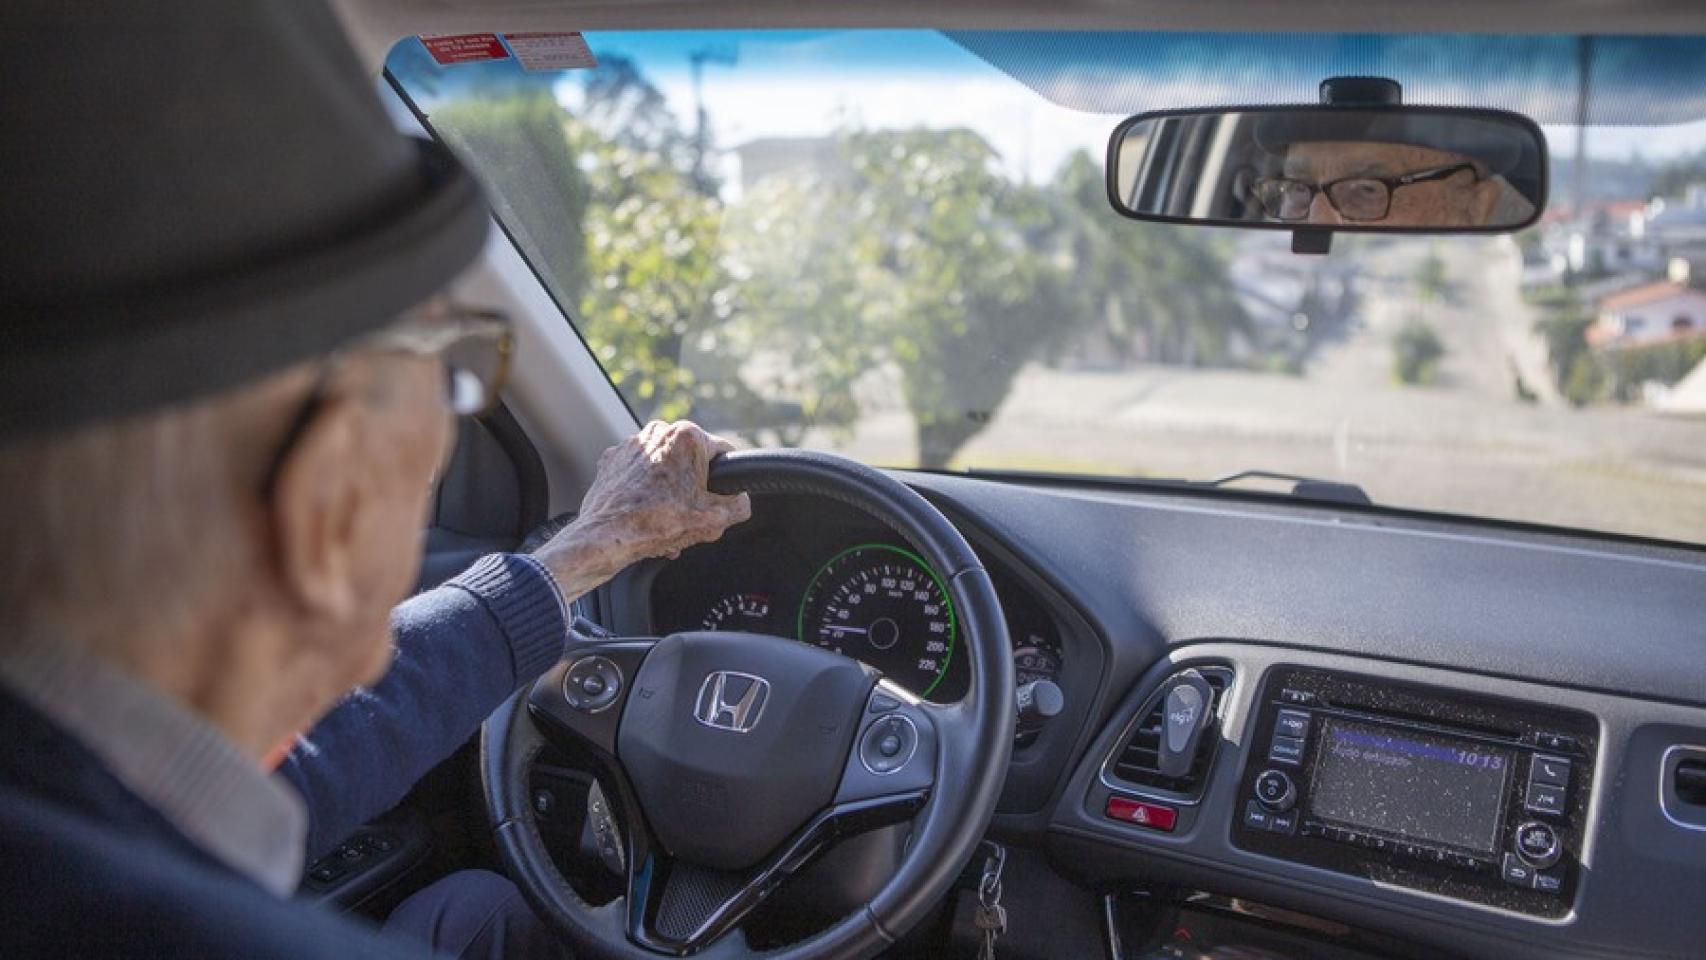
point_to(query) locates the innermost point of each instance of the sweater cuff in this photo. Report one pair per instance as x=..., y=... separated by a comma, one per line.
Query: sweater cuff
x=529, y=609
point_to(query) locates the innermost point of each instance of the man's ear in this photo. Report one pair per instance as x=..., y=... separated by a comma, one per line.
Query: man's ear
x=317, y=499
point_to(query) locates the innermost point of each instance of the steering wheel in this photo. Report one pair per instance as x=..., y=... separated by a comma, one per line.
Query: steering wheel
x=731, y=760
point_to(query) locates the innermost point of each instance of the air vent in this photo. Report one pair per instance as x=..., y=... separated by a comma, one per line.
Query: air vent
x=1135, y=763
x=1682, y=786
x=1691, y=782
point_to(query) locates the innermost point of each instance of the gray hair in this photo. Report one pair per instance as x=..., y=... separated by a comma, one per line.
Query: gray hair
x=128, y=527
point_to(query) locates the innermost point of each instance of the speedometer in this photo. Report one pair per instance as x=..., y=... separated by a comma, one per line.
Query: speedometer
x=884, y=606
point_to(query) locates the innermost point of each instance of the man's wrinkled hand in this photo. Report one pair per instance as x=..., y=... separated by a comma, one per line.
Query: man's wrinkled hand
x=649, y=499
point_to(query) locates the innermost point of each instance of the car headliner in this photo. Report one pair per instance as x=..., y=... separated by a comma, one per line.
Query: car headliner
x=377, y=24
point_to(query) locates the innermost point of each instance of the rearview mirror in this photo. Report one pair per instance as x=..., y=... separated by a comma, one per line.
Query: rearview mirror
x=1376, y=169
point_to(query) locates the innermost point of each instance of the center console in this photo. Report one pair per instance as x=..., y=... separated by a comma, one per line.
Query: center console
x=1464, y=796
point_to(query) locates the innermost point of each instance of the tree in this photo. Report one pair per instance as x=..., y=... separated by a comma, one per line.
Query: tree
x=912, y=253
x=1431, y=282
x=1563, y=325
x=1162, y=291
x=1416, y=353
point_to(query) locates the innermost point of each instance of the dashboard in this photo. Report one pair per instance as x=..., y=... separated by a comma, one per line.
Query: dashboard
x=1443, y=738
x=848, y=584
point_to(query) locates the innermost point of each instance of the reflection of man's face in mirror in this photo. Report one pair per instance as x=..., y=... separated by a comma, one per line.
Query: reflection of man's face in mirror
x=1464, y=197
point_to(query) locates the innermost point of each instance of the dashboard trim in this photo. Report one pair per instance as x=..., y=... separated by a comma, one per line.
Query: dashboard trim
x=1597, y=921
x=1143, y=710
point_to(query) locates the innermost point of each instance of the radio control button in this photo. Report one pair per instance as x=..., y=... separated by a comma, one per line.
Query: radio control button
x=1517, y=873
x=1292, y=723
x=1549, y=881
x=1256, y=816
x=1287, y=750
x=1544, y=799
x=1537, y=844
x=1300, y=697
x=1275, y=790
x=1285, y=823
x=1562, y=742
x=1311, y=828
x=1552, y=771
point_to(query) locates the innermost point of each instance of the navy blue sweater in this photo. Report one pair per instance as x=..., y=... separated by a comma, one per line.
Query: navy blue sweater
x=89, y=870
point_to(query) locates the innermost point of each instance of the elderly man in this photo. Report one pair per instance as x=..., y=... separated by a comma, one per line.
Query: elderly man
x=1390, y=169
x=228, y=383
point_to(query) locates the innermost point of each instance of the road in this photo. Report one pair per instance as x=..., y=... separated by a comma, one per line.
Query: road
x=1463, y=445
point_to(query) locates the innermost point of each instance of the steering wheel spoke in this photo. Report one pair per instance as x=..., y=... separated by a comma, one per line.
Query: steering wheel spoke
x=582, y=697
x=677, y=908
x=894, y=751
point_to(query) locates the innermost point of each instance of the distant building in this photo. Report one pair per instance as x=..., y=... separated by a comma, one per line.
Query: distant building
x=794, y=155
x=1644, y=315
x=1676, y=221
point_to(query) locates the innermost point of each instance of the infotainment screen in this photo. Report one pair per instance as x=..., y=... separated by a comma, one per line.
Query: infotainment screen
x=1420, y=786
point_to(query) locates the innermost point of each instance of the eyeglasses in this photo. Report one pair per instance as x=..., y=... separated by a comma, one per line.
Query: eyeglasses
x=1355, y=198
x=475, y=346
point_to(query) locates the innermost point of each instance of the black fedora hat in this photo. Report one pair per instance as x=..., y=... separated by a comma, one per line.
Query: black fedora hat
x=196, y=194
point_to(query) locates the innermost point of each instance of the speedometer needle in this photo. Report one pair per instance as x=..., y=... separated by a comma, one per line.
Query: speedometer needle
x=848, y=629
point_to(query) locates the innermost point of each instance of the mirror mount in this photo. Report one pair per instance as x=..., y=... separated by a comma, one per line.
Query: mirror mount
x=1361, y=92
x=1312, y=241
x=1346, y=92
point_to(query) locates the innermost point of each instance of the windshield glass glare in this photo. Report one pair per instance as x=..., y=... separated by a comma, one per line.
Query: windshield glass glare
x=899, y=245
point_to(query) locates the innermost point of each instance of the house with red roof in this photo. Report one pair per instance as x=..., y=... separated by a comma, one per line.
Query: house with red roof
x=1648, y=314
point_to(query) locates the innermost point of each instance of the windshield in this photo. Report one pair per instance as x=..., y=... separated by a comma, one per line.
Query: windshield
x=898, y=245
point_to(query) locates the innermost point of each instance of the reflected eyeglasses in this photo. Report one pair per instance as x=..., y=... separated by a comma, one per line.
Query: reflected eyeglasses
x=1355, y=198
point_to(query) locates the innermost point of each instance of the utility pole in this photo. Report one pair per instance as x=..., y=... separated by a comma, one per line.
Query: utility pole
x=721, y=56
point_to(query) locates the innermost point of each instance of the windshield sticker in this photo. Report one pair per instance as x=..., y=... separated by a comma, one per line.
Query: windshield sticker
x=464, y=47
x=551, y=51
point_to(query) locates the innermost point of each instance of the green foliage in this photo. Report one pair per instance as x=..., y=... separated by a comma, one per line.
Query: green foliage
x=1563, y=326
x=1584, y=381
x=913, y=255
x=1162, y=292
x=1631, y=367
x=1416, y=353
x=1431, y=282
x=651, y=249
x=910, y=261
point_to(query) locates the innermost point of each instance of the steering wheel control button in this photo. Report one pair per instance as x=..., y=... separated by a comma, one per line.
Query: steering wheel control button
x=1275, y=791
x=888, y=744
x=1543, y=798
x=883, y=703
x=592, y=684
x=1287, y=750
x=1551, y=771
x=1151, y=815
x=1292, y=723
x=1537, y=844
